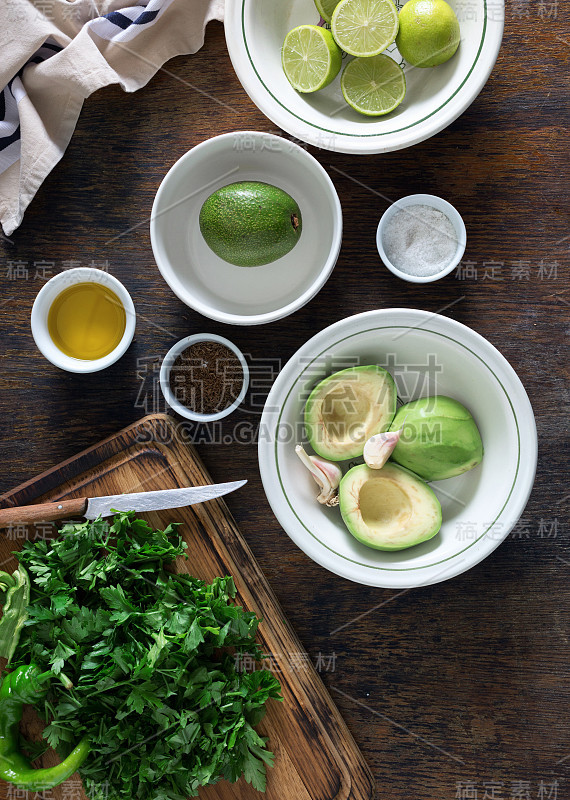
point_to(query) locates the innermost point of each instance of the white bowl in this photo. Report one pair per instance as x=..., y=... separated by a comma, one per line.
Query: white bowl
x=171, y=357
x=256, y=29
x=42, y=304
x=440, y=205
x=222, y=291
x=427, y=354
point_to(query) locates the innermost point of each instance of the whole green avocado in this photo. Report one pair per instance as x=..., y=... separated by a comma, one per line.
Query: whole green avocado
x=250, y=223
x=440, y=438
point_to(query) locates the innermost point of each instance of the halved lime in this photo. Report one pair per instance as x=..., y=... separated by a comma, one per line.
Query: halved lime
x=365, y=27
x=373, y=86
x=311, y=58
x=326, y=8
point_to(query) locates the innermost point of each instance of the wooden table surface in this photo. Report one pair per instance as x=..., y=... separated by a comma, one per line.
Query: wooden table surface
x=458, y=690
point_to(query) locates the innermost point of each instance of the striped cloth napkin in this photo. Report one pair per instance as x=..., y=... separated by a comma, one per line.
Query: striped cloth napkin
x=55, y=53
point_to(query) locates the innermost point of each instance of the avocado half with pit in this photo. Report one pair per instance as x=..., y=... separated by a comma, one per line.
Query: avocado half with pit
x=388, y=508
x=344, y=410
x=439, y=438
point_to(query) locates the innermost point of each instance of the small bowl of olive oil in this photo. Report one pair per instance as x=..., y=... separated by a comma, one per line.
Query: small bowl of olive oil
x=83, y=320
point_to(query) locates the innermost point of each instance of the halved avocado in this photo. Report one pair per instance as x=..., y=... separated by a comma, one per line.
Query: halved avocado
x=347, y=408
x=388, y=508
x=439, y=439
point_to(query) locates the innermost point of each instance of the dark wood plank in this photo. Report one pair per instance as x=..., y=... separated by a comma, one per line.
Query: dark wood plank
x=477, y=666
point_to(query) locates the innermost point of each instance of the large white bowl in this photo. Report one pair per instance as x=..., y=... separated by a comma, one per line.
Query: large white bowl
x=255, y=30
x=427, y=354
x=222, y=291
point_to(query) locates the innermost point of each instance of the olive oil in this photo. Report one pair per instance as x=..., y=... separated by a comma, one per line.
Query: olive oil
x=86, y=321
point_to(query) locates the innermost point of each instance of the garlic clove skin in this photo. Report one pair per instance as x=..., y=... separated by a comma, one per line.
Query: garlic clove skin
x=326, y=474
x=379, y=448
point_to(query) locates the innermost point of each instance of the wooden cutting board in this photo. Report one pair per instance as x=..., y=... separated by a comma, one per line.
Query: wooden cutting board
x=316, y=758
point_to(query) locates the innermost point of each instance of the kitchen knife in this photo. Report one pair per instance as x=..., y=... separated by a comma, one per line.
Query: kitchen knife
x=93, y=507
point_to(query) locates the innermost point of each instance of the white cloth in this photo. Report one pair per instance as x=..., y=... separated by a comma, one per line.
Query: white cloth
x=55, y=53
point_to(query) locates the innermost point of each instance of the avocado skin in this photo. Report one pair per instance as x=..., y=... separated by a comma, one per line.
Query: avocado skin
x=250, y=223
x=440, y=438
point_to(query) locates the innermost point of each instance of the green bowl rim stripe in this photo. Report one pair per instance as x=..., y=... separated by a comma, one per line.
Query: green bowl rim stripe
x=360, y=563
x=363, y=135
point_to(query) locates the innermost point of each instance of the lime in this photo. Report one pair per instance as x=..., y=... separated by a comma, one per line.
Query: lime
x=429, y=32
x=311, y=58
x=373, y=86
x=365, y=27
x=326, y=8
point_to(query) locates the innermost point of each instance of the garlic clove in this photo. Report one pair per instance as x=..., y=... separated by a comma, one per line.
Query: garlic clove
x=379, y=448
x=326, y=474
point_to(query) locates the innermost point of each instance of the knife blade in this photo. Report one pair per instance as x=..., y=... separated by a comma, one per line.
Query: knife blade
x=158, y=500
x=93, y=507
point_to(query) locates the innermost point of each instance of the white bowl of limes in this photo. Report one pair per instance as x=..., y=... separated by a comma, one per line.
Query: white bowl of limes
x=335, y=111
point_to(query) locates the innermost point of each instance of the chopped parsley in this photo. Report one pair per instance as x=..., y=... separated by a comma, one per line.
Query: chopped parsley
x=152, y=659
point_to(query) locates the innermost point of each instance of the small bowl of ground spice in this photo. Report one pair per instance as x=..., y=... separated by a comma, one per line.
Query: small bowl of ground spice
x=204, y=377
x=421, y=238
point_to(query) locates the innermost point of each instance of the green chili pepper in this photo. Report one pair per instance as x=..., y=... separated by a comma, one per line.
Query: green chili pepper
x=25, y=685
x=14, y=596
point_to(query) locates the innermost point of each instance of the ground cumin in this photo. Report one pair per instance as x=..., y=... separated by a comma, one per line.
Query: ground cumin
x=206, y=377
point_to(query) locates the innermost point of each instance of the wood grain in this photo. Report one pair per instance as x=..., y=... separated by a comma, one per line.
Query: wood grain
x=42, y=512
x=476, y=668
x=316, y=757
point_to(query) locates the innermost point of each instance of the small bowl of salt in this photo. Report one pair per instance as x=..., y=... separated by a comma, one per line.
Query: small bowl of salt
x=421, y=238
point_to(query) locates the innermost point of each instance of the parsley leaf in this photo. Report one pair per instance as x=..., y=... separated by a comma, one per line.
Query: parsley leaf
x=151, y=656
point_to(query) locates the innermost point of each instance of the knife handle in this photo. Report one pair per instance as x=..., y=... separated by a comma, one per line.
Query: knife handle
x=43, y=512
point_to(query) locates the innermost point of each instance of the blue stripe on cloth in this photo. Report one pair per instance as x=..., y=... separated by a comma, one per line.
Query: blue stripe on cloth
x=6, y=141
x=121, y=21
x=9, y=97
x=55, y=47
x=9, y=104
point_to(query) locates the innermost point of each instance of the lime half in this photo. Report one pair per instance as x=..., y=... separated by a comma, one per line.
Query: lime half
x=311, y=58
x=365, y=27
x=373, y=86
x=326, y=8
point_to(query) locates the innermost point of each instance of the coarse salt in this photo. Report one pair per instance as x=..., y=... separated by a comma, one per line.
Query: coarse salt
x=419, y=240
